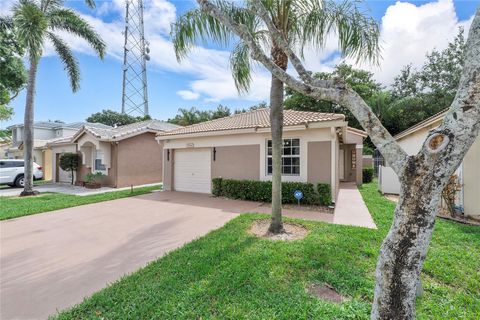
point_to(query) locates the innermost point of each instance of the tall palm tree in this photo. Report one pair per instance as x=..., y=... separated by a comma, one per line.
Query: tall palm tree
x=302, y=23
x=35, y=22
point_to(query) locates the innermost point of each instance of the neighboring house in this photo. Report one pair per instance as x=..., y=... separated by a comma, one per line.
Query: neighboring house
x=127, y=155
x=5, y=144
x=411, y=140
x=44, y=132
x=318, y=147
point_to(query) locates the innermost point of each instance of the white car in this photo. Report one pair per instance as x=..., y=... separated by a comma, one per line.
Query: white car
x=12, y=172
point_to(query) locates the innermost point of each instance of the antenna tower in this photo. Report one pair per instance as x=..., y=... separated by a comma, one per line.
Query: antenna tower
x=135, y=57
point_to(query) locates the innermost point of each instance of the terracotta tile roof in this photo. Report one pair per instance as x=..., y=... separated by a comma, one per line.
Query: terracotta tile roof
x=254, y=119
x=129, y=129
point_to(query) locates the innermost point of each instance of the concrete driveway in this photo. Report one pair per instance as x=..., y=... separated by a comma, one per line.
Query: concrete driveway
x=53, y=260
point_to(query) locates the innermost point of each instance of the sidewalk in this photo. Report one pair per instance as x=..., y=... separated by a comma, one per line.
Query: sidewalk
x=350, y=209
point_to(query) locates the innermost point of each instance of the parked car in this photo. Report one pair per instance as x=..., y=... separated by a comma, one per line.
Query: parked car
x=12, y=172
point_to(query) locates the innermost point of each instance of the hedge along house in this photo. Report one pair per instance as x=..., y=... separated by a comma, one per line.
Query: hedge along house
x=317, y=147
x=126, y=155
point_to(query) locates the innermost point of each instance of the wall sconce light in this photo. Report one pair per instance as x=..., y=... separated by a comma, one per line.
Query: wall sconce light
x=214, y=154
x=168, y=154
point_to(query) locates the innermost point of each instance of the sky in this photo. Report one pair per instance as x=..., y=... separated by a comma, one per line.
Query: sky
x=409, y=30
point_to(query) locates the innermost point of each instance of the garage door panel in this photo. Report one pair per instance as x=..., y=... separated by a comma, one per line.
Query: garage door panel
x=192, y=170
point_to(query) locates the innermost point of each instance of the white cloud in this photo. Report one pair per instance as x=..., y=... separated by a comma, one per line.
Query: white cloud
x=408, y=32
x=188, y=95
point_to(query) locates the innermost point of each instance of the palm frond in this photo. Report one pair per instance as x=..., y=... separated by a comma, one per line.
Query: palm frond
x=70, y=21
x=357, y=33
x=90, y=3
x=195, y=26
x=49, y=5
x=31, y=25
x=240, y=65
x=6, y=23
x=70, y=63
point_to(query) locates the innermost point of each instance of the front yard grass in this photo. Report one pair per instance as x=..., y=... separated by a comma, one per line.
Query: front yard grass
x=14, y=207
x=229, y=274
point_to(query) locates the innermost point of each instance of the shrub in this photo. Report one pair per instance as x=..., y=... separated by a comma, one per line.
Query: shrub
x=69, y=162
x=324, y=193
x=308, y=190
x=367, y=175
x=261, y=191
x=217, y=187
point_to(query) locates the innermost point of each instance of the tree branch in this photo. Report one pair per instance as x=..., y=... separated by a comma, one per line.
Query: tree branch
x=462, y=121
x=329, y=91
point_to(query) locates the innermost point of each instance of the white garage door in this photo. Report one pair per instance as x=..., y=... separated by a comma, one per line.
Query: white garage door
x=191, y=170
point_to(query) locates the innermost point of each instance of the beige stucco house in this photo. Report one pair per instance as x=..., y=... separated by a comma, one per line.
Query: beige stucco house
x=318, y=147
x=411, y=140
x=45, y=133
x=126, y=155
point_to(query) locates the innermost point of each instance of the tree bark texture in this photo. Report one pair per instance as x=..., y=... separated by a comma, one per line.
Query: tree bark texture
x=276, y=122
x=28, y=130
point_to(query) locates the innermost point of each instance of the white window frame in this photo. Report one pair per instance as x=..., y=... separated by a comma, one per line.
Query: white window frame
x=95, y=158
x=267, y=156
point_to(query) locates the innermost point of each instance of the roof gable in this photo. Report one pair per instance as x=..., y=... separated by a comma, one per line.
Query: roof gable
x=126, y=131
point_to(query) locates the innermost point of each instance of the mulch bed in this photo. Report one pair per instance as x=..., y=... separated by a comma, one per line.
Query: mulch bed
x=292, y=231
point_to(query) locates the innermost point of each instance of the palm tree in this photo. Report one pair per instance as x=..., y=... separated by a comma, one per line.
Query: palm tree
x=35, y=22
x=301, y=23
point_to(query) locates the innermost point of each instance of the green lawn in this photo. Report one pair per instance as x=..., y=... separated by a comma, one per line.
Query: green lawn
x=14, y=207
x=229, y=274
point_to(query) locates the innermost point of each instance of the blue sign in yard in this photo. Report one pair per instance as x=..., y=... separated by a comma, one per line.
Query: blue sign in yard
x=298, y=194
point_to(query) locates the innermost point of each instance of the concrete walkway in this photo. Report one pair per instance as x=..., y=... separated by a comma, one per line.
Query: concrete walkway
x=350, y=209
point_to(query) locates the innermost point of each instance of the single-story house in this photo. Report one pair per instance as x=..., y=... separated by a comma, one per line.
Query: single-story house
x=468, y=174
x=126, y=155
x=317, y=147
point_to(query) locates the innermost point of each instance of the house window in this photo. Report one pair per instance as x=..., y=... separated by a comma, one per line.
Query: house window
x=290, y=157
x=99, y=166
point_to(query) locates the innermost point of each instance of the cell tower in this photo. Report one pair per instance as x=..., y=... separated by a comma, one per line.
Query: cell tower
x=135, y=57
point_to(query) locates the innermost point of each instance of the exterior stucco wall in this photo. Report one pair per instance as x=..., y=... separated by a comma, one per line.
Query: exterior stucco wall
x=471, y=180
x=139, y=160
x=259, y=138
x=47, y=165
x=235, y=150
x=168, y=156
x=359, y=165
x=319, y=162
x=236, y=162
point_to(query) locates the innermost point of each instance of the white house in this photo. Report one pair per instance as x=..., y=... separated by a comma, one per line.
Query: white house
x=411, y=140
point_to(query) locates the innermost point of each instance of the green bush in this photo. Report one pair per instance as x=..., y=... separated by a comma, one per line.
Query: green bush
x=254, y=190
x=308, y=190
x=367, y=175
x=325, y=194
x=69, y=162
x=217, y=186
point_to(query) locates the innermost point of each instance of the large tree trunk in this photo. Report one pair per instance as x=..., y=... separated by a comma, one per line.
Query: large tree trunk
x=404, y=249
x=28, y=130
x=276, y=122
